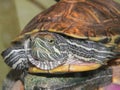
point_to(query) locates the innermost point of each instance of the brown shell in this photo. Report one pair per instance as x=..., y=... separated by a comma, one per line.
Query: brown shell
x=80, y=18
x=97, y=20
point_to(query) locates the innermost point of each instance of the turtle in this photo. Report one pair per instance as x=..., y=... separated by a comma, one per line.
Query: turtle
x=70, y=36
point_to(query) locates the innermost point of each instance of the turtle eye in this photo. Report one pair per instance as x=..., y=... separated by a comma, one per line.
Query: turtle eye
x=51, y=41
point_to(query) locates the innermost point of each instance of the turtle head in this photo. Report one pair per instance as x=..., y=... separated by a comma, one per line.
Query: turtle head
x=49, y=49
x=45, y=50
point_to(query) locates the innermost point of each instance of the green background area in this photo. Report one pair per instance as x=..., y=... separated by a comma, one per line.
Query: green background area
x=14, y=15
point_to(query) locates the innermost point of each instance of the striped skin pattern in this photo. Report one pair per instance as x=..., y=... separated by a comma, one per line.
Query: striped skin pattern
x=48, y=50
x=15, y=57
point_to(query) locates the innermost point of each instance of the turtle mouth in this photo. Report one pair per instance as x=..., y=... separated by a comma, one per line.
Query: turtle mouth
x=69, y=66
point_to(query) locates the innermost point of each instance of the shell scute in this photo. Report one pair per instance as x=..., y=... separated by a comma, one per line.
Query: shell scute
x=91, y=18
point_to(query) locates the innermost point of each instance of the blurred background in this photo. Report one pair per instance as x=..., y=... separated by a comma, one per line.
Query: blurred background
x=14, y=15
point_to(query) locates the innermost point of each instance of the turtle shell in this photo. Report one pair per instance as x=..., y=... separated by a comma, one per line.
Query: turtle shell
x=85, y=19
x=95, y=20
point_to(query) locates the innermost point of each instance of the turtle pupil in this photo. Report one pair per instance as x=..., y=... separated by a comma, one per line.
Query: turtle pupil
x=51, y=41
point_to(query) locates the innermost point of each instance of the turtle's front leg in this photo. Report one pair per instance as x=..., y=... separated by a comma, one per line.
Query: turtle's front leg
x=15, y=57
